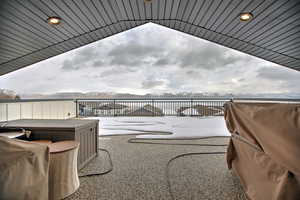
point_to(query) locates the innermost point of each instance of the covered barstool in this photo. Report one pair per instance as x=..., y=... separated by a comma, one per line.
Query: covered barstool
x=63, y=174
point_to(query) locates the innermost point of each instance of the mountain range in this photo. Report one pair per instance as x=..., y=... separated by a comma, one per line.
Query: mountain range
x=9, y=94
x=99, y=95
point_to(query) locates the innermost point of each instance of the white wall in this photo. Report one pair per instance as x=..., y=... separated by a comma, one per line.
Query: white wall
x=37, y=110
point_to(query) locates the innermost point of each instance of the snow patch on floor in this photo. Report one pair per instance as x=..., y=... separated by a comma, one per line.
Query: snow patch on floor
x=163, y=127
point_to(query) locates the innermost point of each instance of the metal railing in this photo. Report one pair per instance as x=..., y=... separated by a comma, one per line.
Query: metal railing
x=152, y=107
x=198, y=107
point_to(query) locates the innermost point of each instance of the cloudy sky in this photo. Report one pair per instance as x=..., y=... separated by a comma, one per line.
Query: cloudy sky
x=153, y=59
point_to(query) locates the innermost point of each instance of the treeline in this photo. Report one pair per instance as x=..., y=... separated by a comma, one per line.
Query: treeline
x=8, y=94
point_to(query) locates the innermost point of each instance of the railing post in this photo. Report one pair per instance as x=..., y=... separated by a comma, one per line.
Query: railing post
x=76, y=107
x=6, y=112
x=153, y=113
x=192, y=109
x=20, y=110
x=114, y=107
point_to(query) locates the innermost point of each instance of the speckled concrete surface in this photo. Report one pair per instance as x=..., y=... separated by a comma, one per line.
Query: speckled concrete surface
x=139, y=172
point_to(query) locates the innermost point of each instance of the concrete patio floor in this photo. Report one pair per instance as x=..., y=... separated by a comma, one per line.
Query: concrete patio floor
x=139, y=172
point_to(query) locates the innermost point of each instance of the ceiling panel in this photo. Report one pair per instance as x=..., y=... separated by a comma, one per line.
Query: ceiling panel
x=25, y=37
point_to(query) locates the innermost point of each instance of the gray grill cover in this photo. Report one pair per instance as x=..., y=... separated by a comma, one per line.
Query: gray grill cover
x=24, y=170
x=271, y=171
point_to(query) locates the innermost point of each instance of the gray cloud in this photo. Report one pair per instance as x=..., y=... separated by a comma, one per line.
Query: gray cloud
x=287, y=79
x=163, y=61
x=135, y=50
x=208, y=57
x=154, y=59
x=134, y=54
x=98, y=63
x=82, y=57
x=194, y=74
x=148, y=84
x=278, y=73
x=68, y=65
x=190, y=55
x=144, y=50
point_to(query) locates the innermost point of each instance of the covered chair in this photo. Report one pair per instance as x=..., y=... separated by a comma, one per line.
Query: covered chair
x=24, y=169
x=264, y=150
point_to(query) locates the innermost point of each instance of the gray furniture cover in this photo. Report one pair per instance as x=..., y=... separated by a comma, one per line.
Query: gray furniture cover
x=24, y=168
x=265, y=149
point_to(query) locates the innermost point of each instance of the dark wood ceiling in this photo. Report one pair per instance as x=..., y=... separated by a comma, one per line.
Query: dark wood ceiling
x=26, y=38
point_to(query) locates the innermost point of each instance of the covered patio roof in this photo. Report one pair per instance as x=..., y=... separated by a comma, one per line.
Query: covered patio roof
x=273, y=33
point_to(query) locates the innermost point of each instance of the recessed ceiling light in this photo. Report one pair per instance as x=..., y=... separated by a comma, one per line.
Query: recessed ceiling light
x=246, y=17
x=54, y=20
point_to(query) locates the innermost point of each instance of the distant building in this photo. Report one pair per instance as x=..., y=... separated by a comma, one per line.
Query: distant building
x=81, y=109
x=209, y=110
x=200, y=110
x=85, y=110
x=8, y=94
x=147, y=110
x=190, y=112
x=180, y=110
x=110, y=109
